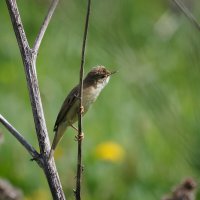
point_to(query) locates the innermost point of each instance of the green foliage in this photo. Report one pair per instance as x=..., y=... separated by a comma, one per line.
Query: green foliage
x=151, y=108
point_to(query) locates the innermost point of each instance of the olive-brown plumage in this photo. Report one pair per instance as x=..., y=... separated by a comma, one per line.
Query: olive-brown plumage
x=93, y=84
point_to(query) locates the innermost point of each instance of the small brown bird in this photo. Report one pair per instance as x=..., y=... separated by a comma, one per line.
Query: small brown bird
x=93, y=84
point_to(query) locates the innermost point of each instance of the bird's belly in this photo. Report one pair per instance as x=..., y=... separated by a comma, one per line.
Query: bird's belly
x=72, y=115
x=89, y=97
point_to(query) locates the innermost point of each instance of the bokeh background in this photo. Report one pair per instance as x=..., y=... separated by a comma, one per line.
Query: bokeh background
x=142, y=135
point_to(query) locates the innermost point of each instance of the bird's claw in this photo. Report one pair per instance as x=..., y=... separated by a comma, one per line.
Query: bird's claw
x=79, y=137
x=81, y=110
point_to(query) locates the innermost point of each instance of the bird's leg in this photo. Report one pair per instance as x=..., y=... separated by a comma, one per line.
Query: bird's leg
x=78, y=137
x=74, y=127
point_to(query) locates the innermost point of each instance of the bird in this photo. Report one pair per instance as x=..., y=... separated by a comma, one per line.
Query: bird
x=94, y=82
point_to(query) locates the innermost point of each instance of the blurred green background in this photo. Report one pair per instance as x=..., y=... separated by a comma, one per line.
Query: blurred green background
x=142, y=135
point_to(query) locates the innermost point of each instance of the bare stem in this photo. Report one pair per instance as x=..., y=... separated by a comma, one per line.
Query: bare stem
x=187, y=13
x=49, y=168
x=44, y=26
x=19, y=137
x=79, y=157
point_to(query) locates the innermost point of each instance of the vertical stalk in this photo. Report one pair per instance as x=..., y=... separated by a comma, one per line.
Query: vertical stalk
x=79, y=157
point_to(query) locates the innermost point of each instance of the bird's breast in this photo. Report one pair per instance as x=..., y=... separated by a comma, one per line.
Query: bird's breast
x=90, y=94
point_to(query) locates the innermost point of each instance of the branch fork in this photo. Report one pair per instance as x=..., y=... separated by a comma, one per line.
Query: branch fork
x=29, y=57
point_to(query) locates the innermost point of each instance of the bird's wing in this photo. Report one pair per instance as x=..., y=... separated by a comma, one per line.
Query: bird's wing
x=69, y=101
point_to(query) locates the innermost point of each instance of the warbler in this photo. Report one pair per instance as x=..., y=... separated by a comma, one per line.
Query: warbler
x=93, y=84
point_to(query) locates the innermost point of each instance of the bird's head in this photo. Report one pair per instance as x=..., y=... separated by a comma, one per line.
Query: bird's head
x=99, y=75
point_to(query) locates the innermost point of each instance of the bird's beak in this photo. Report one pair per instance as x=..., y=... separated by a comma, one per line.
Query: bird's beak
x=113, y=72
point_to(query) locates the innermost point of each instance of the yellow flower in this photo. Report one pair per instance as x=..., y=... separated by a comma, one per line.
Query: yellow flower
x=110, y=151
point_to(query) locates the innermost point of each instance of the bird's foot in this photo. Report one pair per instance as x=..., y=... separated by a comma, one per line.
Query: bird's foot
x=79, y=137
x=81, y=110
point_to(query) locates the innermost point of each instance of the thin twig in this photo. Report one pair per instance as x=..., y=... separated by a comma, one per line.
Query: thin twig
x=79, y=157
x=187, y=13
x=19, y=137
x=49, y=168
x=44, y=26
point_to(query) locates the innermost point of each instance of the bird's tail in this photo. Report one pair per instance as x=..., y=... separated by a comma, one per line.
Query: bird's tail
x=58, y=136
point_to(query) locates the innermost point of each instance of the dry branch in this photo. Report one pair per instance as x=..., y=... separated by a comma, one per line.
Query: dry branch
x=187, y=13
x=44, y=26
x=29, y=60
x=20, y=138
